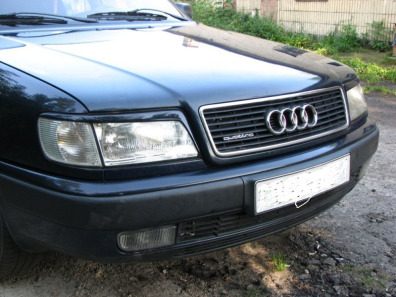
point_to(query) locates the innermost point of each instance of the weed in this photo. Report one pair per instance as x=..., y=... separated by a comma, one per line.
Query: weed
x=280, y=261
x=256, y=292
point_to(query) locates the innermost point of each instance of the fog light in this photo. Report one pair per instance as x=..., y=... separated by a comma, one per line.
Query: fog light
x=147, y=239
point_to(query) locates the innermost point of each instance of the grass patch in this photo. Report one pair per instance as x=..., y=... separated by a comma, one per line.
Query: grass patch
x=378, y=89
x=375, y=68
x=370, y=56
x=372, y=72
x=367, y=277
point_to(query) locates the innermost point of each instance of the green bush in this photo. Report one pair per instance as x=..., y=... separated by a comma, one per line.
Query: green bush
x=300, y=40
x=224, y=16
x=378, y=37
x=342, y=40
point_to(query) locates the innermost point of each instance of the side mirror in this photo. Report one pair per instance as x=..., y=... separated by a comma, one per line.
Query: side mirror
x=186, y=9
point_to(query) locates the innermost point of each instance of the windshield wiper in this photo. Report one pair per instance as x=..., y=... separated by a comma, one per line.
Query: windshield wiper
x=135, y=15
x=27, y=18
x=140, y=10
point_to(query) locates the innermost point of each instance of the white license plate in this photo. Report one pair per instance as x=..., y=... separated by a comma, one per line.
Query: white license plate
x=302, y=185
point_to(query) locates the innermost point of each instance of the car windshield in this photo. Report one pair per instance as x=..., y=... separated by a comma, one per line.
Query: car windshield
x=97, y=9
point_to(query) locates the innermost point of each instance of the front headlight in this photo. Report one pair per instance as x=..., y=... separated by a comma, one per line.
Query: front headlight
x=144, y=142
x=80, y=143
x=357, y=102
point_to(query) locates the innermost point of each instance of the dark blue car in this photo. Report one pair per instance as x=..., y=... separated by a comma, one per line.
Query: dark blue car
x=131, y=133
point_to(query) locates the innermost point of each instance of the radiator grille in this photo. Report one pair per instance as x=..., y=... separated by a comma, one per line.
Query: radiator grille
x=216, y=226
x=240, y=127
x=212, y=226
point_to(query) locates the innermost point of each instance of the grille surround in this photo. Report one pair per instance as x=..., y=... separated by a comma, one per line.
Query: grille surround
x=244, y=121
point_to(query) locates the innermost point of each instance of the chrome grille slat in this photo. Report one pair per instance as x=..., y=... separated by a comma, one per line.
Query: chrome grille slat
x=239, y=127
x=238, y=121
x=230, y=110
x=248, y=114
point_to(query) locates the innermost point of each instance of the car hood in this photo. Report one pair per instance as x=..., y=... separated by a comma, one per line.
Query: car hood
x=123, y=70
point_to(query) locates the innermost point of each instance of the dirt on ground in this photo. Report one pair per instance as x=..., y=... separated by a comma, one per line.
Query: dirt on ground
x=350, y=250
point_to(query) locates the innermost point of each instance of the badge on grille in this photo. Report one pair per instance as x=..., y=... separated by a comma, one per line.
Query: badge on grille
x=285, y=120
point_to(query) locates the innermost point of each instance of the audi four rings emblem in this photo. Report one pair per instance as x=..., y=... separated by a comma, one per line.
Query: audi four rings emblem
x=285, y=120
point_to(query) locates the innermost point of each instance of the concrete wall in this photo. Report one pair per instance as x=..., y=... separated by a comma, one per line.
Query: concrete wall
x=269, y=8
x=249, y=6
x=322, y=17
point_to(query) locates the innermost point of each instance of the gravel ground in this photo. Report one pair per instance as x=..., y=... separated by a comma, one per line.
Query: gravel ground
x=347, y=251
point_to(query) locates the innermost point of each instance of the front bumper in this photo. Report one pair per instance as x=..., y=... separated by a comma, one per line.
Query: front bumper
x=85, y=218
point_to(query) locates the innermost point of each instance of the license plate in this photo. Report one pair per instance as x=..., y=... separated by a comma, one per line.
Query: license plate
x=300, y=186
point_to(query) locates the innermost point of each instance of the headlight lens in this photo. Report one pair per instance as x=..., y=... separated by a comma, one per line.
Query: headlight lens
x=357, y=103
x=143, y=142
x=69, y=142
x=74, y=143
